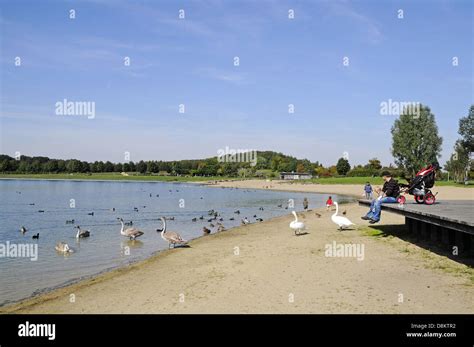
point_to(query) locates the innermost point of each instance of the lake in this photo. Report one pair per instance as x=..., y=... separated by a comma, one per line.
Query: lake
x=21, y=201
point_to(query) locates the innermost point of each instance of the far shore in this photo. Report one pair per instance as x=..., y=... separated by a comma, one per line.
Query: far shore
x=354, y=190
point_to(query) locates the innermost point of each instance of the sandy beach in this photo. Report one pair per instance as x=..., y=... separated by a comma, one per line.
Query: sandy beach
x=354, y=190
x=265, y=268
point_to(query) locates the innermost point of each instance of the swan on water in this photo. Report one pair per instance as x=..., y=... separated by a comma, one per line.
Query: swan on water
x=63, y=247
x=171, y=237
x=82, y=233
x=132, y=233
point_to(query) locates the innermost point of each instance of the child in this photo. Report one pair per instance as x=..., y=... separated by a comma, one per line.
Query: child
x=368, y=191
x=329, y=203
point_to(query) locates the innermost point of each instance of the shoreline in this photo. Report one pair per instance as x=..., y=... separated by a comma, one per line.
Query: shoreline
x=115, y=269
x=92, y=277
x=52, y=293
x=97, y=180
x=352, y=190
x=272, y=262
x=52, y=296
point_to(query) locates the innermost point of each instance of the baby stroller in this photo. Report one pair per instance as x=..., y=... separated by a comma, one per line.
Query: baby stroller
x=420, y=186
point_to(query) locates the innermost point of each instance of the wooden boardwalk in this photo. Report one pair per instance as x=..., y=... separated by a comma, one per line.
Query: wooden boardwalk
x=449, y=222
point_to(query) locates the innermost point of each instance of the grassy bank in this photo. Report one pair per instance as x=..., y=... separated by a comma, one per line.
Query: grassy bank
x=138, y=177
x=112, y=177
x=373, y=181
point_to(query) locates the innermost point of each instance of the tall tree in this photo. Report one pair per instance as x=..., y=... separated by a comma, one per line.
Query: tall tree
x=466, y=130
x=343, y=166
x=415, y=140
x=460, y=162
x=374, y=164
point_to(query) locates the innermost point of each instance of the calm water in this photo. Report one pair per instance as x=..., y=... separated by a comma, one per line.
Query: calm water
x=106, y=248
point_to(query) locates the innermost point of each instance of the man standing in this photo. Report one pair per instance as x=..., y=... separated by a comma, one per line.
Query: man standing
x=390, y=191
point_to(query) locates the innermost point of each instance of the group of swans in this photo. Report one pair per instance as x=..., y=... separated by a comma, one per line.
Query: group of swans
x=340, y=221
x=173, y=238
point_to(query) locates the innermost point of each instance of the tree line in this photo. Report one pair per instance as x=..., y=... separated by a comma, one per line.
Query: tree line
x=269, y=164
x=415, y=144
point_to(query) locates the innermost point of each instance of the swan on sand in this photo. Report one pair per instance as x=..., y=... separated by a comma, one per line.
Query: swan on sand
x=296, y=225
x=342, y=222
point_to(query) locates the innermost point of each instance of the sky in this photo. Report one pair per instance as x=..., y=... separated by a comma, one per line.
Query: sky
x=138, y=61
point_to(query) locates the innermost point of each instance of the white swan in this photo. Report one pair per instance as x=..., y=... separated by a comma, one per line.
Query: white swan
x=170, y=236
x=132, y=233
x=296, y=225
x=342, y=222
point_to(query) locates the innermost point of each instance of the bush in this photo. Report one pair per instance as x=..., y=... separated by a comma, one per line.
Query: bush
x=363, y=172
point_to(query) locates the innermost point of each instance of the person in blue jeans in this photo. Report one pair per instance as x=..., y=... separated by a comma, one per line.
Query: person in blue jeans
x=368, y=191
x=390, y=190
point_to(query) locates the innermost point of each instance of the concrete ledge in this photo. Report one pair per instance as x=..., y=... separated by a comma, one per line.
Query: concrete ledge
x=456, y=215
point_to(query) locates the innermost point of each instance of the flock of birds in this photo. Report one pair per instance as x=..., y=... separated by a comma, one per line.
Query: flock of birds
x=174, y=238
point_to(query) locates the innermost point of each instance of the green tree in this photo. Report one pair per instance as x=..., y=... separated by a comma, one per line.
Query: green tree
x=108, y=167
x=141, y=167
x=466, y=130
x=151, y=166
x=73, y=165
x=374, y=164
x=415, y=140
x=4, y=165
x=459, y=162
x=51, y=166
x=343, y=166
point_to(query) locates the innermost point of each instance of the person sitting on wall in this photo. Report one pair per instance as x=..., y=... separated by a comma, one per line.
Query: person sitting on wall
x=390, y=192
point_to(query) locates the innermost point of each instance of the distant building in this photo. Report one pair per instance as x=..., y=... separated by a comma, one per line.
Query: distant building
x=295, y=176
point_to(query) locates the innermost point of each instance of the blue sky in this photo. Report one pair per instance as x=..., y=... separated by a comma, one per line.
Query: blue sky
x=191, y=61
